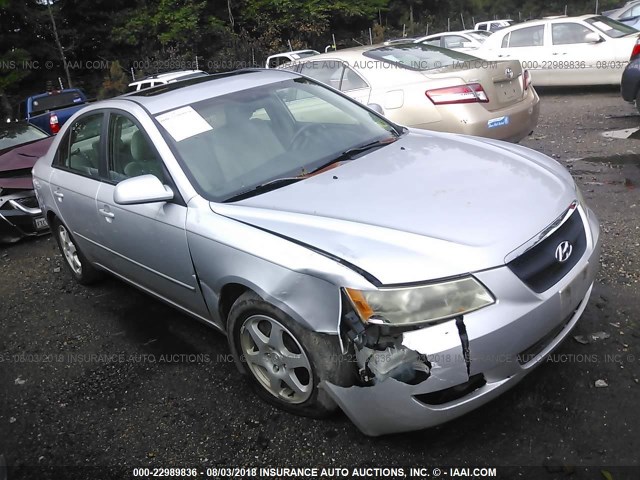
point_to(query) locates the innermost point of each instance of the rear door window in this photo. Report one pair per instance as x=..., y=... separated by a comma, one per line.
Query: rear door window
x=526, y=37
x=328, y=72
x=79, y=150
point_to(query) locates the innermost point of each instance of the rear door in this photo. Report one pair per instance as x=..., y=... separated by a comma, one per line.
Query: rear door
x=526, y=44
x=75, y=180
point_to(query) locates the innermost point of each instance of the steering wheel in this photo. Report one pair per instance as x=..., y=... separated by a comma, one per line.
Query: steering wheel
x=304, y=135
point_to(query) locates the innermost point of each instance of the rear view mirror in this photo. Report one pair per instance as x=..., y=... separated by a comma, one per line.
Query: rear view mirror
x=142, y=189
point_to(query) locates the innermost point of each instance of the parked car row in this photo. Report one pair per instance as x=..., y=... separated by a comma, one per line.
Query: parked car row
x=351, y=262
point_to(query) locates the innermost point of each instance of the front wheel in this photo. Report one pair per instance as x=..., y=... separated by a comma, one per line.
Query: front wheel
x=83, y=272
x=285, y=363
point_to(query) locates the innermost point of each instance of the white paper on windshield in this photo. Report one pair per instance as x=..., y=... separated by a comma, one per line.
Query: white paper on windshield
x=602, y=26
x=183, y=123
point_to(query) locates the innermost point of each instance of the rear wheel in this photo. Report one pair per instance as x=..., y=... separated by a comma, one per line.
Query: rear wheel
x=284, y=362
x=638, y=100
x=78, y=265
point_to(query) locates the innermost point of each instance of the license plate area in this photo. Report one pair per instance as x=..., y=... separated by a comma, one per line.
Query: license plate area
x=40, y=223
x=507, y=91
x=572, y=294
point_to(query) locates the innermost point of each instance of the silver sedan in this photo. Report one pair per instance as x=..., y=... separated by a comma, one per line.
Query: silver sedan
x=405, y=276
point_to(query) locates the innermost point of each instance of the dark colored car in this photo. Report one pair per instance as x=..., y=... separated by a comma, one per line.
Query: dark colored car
x=21, y=144
x=630, y=84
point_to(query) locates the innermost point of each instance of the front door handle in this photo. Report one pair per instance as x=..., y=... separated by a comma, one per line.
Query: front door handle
x=106, y=213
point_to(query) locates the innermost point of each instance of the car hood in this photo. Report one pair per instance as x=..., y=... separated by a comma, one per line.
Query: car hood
x=15, y=162
x=430, y=205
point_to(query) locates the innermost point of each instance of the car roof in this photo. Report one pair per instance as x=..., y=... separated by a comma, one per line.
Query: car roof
x=542, y=21
x=293, y=52
x=455, y=32
x=174, y=95
x=167, y=76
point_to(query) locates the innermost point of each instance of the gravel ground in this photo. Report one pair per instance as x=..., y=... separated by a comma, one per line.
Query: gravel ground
x=161, y=389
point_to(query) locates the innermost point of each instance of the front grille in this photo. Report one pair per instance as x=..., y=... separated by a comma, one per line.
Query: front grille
x=538, y=267
x=29, y=202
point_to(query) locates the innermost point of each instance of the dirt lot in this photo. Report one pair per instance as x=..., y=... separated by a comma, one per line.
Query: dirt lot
x=161, y=390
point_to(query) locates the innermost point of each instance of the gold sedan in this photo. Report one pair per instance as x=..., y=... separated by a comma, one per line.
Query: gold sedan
x=433, y=88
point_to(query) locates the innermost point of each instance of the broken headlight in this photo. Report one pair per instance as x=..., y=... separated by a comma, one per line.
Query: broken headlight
x=421, y=304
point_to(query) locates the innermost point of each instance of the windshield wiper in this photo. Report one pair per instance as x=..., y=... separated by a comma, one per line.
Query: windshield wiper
x=265, y=187
x=283, y=181
x=351, y=152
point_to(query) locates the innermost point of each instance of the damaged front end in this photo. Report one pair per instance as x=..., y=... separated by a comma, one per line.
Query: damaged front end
x=403, y=369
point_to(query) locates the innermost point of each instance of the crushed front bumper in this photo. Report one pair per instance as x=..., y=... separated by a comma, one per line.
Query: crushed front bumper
x=20, y=216
x=505, y=342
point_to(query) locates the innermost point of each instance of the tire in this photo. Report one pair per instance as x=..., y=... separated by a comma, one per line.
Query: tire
x=638, y=100
x=266, y=357
x=81, y=269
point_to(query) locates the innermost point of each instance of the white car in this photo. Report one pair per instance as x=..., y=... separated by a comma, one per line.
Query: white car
x=493, y=25
x=584, y=50
x=164, y=78
x=274, y=61
x=463, y=41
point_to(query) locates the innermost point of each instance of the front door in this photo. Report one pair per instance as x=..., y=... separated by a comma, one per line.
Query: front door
x=147, y=242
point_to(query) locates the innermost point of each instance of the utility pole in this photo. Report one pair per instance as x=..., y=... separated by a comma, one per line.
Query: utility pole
x=58, y=44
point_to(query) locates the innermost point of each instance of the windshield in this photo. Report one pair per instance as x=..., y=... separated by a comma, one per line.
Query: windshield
x=18, y=133
x=419, y=56
x=611, y=28
x=234, y=143
x=54, y=101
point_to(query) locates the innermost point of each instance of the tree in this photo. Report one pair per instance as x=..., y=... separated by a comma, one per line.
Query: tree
x=115, y=83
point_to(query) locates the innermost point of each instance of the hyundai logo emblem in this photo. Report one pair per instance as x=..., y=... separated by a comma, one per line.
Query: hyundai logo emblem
x=508, y=72
x=563, y=251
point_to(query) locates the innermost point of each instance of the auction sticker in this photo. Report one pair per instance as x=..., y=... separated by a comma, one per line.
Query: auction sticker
x=498, y=122
x=183, y=123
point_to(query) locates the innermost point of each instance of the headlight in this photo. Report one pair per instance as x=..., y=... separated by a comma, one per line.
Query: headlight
x=423, y=304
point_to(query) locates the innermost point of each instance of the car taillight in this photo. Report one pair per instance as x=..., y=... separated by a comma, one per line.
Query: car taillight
x=636, y=50
x=526, y=79
x=54, y=126
x=469, y=93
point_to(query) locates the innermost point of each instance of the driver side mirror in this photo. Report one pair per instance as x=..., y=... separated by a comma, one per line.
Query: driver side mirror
x=376, y=108
x=142, y=189
x=592, y=37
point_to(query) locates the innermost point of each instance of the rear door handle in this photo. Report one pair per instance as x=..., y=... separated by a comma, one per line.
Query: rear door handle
x=59, y=194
